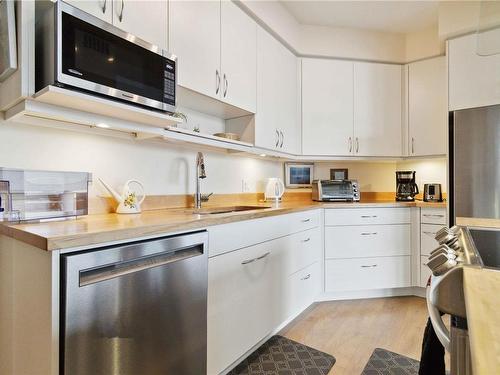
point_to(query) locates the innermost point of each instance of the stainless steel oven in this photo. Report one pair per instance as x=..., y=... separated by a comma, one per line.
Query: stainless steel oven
x=77, y=50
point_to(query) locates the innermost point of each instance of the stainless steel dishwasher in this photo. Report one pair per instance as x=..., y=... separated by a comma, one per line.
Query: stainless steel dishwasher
x=138, y=308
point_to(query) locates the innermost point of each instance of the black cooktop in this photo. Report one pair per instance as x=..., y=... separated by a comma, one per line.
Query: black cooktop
x=487, y=243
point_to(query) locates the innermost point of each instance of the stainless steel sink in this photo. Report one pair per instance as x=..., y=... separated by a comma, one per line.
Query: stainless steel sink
x=226, y=210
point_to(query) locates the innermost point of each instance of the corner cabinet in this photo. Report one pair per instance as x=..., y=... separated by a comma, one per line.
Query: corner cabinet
x=474, y=80
x=327, y=107
x=377, y=110
x=216, y=44
x=276, y=120
x=427, y=107
x=351, y=108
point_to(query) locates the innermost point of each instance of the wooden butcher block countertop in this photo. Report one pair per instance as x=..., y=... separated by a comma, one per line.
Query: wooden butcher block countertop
x=103, y=228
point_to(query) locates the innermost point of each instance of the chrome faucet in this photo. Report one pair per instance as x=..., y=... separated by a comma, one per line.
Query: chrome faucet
x=200, y=173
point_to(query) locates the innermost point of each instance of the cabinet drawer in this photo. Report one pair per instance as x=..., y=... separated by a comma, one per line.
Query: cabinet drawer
x=367, y=273
x=364, y=216
x=425, y=271
x=233, y=236
x=301, y=250
x=302, y=289
x=427, y=240
x=363, y=241
x=433, y=216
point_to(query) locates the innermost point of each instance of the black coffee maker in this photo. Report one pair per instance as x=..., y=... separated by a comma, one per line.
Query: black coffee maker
x=406, y=187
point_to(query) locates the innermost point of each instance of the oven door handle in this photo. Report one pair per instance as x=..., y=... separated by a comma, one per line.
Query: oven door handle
x=442, y=333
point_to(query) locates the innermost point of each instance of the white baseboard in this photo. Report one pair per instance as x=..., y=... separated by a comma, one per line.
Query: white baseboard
x=373, y=293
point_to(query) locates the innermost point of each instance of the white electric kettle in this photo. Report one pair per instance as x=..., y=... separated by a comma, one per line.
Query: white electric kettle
x=274, y=189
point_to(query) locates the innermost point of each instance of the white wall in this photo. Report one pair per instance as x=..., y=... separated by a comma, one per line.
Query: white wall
x=372, y=176
x=423, y=44
x=381, y=176
x=346, y=43
x=428, y=171
x=164, y=168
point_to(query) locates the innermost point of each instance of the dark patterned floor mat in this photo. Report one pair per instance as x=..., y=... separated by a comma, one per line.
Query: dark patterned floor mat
x=281, y=356
x=384, y=362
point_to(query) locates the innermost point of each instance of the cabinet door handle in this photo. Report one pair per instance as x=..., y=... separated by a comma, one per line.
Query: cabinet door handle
x=369, y=233
x=307, y=239
x=277, y=138
x=254, y=259
x=120, y=16
x=306, y=220
x=369, y=266
x=226, y=85
x=432, y=215
x=357, y=145
x=306, y=277
x=368, y=216
x=103, y=8
x=217, y=81
x=350, y=144
x=282, y=139
x=412, y=145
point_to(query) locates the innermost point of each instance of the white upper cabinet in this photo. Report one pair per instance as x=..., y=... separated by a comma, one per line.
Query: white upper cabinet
x=195, y=39
x=102, y=9
x=238, y=57
x=377, y=110
x=147, y=20
x=276, y=120
x=427, y=107
x=327, y=107
x=473, y=80
x=215, y=43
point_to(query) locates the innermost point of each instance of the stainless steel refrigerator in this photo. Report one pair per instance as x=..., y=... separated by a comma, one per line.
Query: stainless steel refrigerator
x=474, y=163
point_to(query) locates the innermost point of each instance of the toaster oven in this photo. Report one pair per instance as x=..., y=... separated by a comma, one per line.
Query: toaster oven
x=335, y=191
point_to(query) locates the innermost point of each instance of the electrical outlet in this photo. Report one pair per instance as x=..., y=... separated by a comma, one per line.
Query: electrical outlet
x=245, y=186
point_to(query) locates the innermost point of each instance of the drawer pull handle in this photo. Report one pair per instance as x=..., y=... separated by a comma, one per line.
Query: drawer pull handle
x=307, y=239
x=369, y=266
x=254, y=259
x=306, y=277
x=432, y=215
x=430, y=234
x=306, y=220
x=369, y=233
x=368, y=216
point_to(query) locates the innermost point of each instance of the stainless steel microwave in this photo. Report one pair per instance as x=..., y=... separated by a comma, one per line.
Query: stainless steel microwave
x=77, y=50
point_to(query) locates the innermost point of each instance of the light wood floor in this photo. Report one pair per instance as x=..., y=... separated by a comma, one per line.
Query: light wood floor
x=350, y=330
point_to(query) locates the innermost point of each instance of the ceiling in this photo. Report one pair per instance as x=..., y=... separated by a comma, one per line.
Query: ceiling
x=389, y=16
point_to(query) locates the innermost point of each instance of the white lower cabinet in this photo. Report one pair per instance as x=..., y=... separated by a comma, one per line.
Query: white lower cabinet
x=367, y=273
x=367, y=241
x=254, y=288
x=367, y=248
x=241, y=293
x=303, y=287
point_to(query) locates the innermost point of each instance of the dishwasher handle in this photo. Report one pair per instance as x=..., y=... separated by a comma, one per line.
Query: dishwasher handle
x=113, y=270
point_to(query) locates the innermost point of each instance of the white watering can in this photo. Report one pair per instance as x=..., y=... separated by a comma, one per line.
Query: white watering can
x=129, y=202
